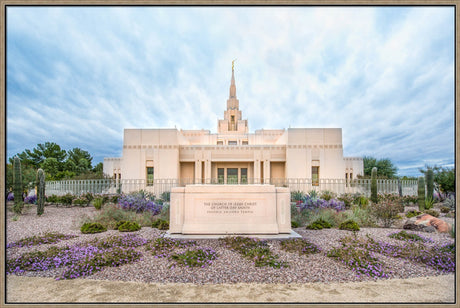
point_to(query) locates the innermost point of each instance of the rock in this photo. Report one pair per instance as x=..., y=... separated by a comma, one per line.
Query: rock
x=430, y=221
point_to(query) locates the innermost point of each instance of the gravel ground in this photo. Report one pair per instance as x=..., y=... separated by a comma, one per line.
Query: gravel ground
x=230, y=267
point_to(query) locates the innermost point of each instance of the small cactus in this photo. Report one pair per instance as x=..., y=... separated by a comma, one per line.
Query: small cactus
x=421, y=194
x=429, y=183
x=40, y=192
x=374, y=185
x=17, y=185
x=400, y=188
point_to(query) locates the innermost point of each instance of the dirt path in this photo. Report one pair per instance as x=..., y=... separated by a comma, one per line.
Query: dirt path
x=426, y=289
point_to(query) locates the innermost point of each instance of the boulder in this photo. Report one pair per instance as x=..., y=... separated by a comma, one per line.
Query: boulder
x=427, y=223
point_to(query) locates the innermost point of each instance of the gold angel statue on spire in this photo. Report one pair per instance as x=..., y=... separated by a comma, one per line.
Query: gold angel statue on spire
x=233, y=64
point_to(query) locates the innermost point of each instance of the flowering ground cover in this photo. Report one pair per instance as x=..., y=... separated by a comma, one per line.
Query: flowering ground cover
x=253, y=249
x=47, y=238
x=362, y=255
x=81, y=259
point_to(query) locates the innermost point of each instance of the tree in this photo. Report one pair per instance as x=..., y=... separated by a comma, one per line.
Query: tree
x=39, y=154
x=444, y=177
x=384, y=166
x=76, y=154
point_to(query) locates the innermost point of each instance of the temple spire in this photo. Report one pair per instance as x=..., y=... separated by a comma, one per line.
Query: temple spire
x=232, y=84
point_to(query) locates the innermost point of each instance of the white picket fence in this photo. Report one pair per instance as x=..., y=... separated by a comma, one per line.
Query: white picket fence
x=158, y=186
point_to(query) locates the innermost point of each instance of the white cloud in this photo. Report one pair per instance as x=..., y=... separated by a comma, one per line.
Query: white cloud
x=385, y=75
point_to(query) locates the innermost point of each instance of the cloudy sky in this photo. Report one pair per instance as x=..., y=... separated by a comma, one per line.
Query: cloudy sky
x=78, y=76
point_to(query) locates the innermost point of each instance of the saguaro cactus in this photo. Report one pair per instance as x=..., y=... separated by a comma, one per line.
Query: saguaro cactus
x=374, y=185
x=429, y=183
x=400, y=188
x=17, y=185
x=421, y=193
x=40, y=192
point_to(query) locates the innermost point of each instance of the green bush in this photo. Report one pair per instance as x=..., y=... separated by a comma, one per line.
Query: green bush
x=110, y=214
x=386, y=212
x=98, y=202
x=349, y=225
x=347, y=199
x=80, y=201
x=297, y=195
x=164, y=214
x=445, y=209
x=429, y=203
x=299, y=245
x=129, y=226
x=92, y=227
x=319, y=224
x=66, y=199
x=432, y=213
x=327, y=195
x=161, y=224
x=166, y=196
x=114, y=199
x=53, y=199
x=362, y=215
x=294, y=224
x=413, y=213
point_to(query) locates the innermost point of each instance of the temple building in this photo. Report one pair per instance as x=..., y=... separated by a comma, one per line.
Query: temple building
x=233, y=154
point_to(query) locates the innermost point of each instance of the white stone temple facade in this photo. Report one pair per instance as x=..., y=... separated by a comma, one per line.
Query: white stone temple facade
x=233, y=154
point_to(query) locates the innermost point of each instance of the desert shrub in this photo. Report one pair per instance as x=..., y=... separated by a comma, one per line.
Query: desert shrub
x=362, y=215
x=129, y=226
x=327, y=195
x=255, y=250
x=429, y=203
x=297, y=195
x=445, y=209
x=347, y=199
x=52, y=199
x=300, y=246
x=362, y=201
x=294, y=224
x=166, y=196
x=110, y=214
x=31, y=199
x=88, y=197
x=432, y=213
x=310, y=203
x=114, y=199
x=98, y=202
x=386, y=212
x=80, y=201
x=319, y=224
x=312, y=194
x=10, y=196
x=119, y=223
x=349, y=225
x=198, y=257
x=138, y=202
x=408, y=200
x=164, y=214
x=94, y=227
x=413, y=213
x=66, y=199
x=404, y=236
x=161, y=224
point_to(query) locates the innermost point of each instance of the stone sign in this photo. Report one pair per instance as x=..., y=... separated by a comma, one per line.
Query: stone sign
x=230, y=209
